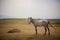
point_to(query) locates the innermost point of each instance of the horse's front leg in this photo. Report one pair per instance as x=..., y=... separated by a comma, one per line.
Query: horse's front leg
x=36, y=29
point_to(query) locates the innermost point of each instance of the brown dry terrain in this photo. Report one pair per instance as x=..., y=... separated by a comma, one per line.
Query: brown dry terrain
x=27, y=31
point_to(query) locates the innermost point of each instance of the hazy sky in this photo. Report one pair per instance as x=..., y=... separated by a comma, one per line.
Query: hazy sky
x=34, y=8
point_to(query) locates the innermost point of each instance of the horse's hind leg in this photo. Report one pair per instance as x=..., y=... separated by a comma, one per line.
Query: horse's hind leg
x=48, y=31
x=45, y=30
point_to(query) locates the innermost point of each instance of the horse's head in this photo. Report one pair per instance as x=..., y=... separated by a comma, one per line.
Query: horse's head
x=29, y=19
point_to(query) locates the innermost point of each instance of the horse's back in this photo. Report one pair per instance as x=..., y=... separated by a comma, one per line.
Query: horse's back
x=41, y=22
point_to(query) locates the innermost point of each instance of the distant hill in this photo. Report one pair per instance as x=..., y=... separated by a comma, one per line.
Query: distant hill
x=5, y=16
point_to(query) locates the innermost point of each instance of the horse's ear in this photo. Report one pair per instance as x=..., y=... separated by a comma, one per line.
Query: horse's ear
x=30, y=17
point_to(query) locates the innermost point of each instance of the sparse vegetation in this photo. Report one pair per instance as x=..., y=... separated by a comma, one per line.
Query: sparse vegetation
x=27, y=30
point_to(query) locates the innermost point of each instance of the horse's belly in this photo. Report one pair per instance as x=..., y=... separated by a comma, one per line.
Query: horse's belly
x=39, y=24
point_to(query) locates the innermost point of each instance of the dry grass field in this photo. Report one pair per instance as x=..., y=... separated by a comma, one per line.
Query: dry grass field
x=27, y=31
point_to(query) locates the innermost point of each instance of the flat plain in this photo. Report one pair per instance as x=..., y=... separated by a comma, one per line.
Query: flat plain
x=27, y=31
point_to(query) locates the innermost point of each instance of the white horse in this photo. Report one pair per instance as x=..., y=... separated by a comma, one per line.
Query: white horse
x=41, y=22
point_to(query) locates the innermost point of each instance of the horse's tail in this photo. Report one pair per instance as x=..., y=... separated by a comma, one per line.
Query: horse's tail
x=52, y=25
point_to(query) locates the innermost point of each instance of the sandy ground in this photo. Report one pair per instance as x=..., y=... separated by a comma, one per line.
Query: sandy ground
x=25, y=28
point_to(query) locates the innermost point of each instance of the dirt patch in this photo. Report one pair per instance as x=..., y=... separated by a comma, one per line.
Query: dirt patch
x=14, y=31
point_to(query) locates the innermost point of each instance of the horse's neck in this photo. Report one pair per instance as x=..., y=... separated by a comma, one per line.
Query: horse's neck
x=33, y=21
